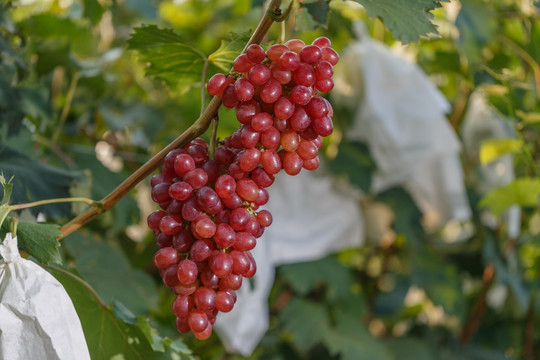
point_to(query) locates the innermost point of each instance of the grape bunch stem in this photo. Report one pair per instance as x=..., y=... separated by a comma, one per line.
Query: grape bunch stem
x=273, y=14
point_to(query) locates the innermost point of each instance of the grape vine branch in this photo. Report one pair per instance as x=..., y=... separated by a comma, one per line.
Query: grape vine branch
x=272, y=14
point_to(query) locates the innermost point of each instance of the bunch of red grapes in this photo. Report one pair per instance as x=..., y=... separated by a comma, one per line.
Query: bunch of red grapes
x=210, y=218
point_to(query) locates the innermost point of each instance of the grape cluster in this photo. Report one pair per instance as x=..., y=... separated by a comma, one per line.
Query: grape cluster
x=210, y=218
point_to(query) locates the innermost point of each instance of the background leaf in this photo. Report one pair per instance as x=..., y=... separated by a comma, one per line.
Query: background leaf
x=492, y=149
x=312, y=14
x=306, y=321
x=103, y=181
x=354, y=161
x=105, y=334
x=523, y=192
x=306, y=276
x=476, y=24
x=352, y=340
x=34, y=180
x=107, y=269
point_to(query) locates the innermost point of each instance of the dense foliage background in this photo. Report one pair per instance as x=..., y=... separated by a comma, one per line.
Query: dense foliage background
x=78, y=114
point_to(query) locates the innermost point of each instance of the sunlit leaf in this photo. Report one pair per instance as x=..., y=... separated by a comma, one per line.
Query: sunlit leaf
x=229, y=49
x=407, y=19
x=492, y=149
x=523, y=192
x=529, y=117
x=167, y=55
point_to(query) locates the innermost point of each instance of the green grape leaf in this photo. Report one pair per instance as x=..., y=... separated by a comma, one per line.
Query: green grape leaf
x=312, y=14
x=103, y=181
x=106, y=335
x=492, y=149
x=49, y=26
x=93, y=10
x=33, y=180
x=522, y=191
x=229, y=49
x=304, y=277
x=167, y=55
x=409, y=348
x=477, y=23
x=354, y=161
x=407, y=19
x=306, y=322
x=391, y=302
x=304, y=21
x=352, y=340
x=36, y=104
x=439, y=279
x=37, y=239
x=408, y=220
x=96, y=261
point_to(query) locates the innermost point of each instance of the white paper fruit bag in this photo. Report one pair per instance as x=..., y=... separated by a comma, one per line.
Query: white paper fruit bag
x=37, y=317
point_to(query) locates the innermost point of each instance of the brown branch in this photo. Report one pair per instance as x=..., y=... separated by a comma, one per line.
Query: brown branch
x=477, y=313
x=272, y=14
x=460, y=105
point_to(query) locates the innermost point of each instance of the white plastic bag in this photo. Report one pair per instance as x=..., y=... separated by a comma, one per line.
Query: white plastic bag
x=480, y=123
x=400, y=115
x=37, y=317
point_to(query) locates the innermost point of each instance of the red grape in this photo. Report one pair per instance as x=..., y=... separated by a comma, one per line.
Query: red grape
x=242, y=63
x=217, y=84
x=187, y=272
x=165, y=257
x=295, y=45
x=310, y=54
x=255, y=53
x=197, y=320
x=322, y=42
x=259, y=74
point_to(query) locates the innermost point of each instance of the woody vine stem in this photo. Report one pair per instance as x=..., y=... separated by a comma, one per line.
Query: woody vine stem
x=272, y=14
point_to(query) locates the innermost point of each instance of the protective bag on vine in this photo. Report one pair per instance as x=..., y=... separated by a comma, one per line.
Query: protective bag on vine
x=37, y=317
x=400, y=115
